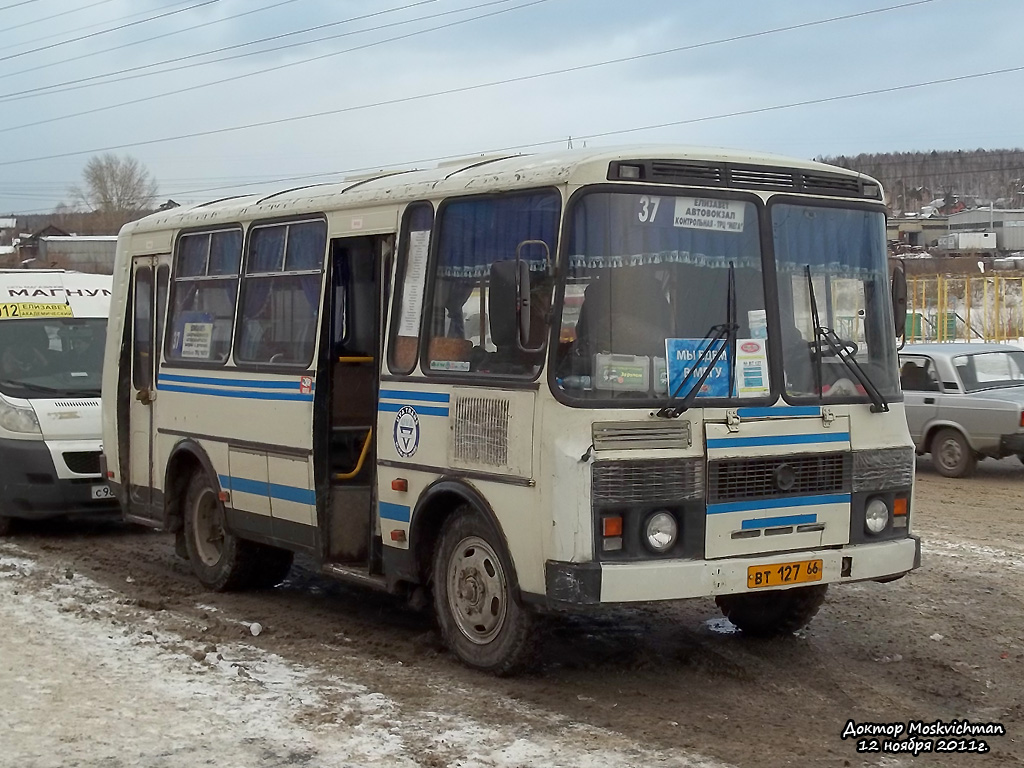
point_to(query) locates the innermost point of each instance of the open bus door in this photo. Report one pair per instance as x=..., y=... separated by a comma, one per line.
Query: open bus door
x=353, y=365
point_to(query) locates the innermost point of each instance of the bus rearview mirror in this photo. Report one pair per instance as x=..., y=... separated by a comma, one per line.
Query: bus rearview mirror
x=899, y=301
x=508, y=303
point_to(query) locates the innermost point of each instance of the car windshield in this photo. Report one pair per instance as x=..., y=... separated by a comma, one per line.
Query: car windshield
x=833, y=260
x=990, y=370
x=51, y=356
x=647, y=283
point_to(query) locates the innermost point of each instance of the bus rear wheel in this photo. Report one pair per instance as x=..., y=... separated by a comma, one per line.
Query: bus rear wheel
x=221, y=561
x=775, y=613
x=478, y=612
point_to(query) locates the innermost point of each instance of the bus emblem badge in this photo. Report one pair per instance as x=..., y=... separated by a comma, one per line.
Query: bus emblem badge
x=407, y=432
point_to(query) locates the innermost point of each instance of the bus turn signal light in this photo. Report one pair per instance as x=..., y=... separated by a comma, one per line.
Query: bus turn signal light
x=611, y=526
x=400, y=484
x=899, y=506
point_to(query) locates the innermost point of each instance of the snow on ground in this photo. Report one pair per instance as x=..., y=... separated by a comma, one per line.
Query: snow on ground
x=82, y=685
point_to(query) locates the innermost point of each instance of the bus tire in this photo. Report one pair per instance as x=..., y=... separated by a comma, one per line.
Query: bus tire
x=6, y=525
x=221, y=561
x=775, y=613
x=952, y=455
x=481, y=619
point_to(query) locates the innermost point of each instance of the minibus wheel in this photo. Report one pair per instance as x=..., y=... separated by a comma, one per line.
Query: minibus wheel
x=221, y=561
x=477, y=609
x=770, y=614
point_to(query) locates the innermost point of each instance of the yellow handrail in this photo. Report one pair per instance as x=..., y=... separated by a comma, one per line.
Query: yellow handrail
x=362, y=459
x=355, y=359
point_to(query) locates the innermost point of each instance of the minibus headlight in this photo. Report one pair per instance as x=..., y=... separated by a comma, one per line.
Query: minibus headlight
x=17, y=418
x=660, y=532
x=876, y=516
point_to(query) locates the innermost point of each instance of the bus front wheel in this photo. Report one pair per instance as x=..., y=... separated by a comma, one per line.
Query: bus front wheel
x=479, y=615
x=771, y=614
x=221, y=561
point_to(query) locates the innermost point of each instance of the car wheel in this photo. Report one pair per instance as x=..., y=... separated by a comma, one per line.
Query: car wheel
x=952, y=456
x=477, y=609
x=771, y=614
x=221, y=561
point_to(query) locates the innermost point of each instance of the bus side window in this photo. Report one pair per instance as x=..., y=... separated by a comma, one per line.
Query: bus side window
x=474, y=233
x=410, y=284
x=203, y=295
x=280, y=302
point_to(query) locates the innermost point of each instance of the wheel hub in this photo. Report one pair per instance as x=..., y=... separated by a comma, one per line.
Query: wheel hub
x=951, y=453
x=477, y=590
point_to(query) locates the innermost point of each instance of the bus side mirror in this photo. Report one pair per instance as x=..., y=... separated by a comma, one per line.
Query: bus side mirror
x=899, y=301
x=508, y=303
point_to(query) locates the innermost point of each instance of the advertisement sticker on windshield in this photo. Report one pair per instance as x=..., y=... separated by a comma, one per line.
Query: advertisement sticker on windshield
x=751, y=368
x=683, y=355
x=26, y=309
x=709, y=213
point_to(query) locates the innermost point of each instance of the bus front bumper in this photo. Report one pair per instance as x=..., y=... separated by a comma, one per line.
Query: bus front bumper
x=31, y=488
x=594, y=583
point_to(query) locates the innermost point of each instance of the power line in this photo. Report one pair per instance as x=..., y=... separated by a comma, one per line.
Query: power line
x=58, y=87
x=108, y=31
x=129, y=45
x=15, y=5
x=79, y=29
x=191, y=88
x=583, y=67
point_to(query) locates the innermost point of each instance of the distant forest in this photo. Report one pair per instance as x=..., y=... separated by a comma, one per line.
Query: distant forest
x=960, y=179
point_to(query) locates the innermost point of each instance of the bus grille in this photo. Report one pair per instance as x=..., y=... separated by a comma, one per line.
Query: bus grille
x=481, y=431
x=83, y=462
x=647, y=482
x=737, y=479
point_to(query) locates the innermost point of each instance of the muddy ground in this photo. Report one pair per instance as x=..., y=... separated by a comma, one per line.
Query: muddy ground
x=666, y=684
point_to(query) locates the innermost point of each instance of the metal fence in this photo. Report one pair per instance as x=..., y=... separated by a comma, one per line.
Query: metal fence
x=965, y=308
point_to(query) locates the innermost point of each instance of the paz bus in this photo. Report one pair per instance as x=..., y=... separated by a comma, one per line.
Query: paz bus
x=52, y=329
x=515, y=384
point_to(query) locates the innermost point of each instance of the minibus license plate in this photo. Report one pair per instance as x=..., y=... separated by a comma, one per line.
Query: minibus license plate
x=102, y=492
x=781, y=574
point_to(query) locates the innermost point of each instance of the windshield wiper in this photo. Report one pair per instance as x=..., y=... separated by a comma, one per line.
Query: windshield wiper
x=34, y=387
x=719, y=338
x=841, y=348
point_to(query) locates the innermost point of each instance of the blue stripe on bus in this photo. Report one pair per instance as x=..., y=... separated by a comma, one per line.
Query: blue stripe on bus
x=428, y=397
x=781, y=411
x=212, y=382
x=300, y=396
x=421, y=410
x=795, y=501
x=397, y=512
x=775, y=522
x=273, y=490
x=754, y=442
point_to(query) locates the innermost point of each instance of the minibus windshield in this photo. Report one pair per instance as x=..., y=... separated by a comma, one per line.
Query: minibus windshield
x=51, y=356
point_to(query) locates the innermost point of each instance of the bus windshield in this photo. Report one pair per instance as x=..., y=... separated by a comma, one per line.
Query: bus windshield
x=51, y=356
x=837, y=257
x=647, y=284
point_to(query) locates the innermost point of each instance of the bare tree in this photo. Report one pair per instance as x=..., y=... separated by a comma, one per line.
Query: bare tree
x=116, y=189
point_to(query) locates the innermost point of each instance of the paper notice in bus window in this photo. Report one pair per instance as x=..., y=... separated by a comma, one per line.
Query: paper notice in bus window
x=197, y=341
x=415, y=279
x=709, y=213
x=751, y=368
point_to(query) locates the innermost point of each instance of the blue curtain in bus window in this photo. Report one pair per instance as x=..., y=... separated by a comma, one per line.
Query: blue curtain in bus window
x=192, y=255
x=266, y=250
x=477, y=232
x=306, y=244
x=620, y=230
x=225, y=252
x=830, y=240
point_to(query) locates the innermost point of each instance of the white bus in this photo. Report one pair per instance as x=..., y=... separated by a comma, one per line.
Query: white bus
x=52, y=329
x=523, y=383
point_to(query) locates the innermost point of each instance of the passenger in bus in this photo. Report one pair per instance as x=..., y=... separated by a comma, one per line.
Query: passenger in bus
x=22, y=355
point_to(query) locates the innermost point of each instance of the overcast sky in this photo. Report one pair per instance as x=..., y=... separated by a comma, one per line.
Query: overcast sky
x=354, y=62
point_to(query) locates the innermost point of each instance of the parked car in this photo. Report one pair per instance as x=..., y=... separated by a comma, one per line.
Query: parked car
x=964, y=402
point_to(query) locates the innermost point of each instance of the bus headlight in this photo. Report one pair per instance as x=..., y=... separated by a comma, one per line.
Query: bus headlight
x=17, y=418
x=661, y=532
x=876, y=516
